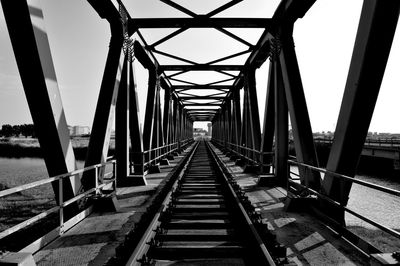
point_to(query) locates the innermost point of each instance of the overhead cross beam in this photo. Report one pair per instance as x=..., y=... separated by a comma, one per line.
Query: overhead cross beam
x=201, y=87
x=201, y=98
x=201, y=67
x=199, y=21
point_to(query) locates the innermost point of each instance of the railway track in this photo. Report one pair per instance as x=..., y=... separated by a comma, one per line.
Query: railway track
x=203, y=221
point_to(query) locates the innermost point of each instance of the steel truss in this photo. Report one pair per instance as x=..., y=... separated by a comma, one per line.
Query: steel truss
x=166, y=130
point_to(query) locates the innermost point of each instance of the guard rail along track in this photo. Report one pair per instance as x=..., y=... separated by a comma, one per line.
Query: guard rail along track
x=201, y=217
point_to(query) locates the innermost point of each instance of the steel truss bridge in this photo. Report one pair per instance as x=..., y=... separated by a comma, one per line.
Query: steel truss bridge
x=236, y=129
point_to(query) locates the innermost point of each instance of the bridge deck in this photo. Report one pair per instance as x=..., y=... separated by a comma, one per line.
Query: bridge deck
x=93, y=241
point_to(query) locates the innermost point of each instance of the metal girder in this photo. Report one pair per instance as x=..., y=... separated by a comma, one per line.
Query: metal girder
x=178, y=7
x=158, y=133
x=289, y=11
x=134, y=124
x=201, y=67
x=267, y=139
x=175, y=117
x=105, y=109
x=167, y=116
x=199, y=21
x=202, y=104
x=236, y=119
x=121, y=126
x=251, y=132
x=150, y=111
x=301, y=126
x=281, y=127
x=29, y=40
x=223, y=7
x=371, y=51
x=201, y=98
x=142, y=56
x=201, y=87
x=228, y=120
x=200, y=113
x=254, y=129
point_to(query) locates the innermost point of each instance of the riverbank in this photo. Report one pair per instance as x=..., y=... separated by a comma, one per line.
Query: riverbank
x=379, y=167
x=30, y=147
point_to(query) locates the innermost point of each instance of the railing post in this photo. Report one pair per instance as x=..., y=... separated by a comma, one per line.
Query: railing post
x=96, y=179
x=61, y=203
x=115, y=174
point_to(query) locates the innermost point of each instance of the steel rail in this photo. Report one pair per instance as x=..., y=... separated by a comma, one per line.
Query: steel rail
x=140, y=253
x=260, y=242
x=143, y=246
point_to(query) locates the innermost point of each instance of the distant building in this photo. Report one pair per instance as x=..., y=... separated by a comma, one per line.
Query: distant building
x=78, y=130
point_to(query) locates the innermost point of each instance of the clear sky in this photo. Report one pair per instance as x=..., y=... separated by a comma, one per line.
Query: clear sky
x=79, y=41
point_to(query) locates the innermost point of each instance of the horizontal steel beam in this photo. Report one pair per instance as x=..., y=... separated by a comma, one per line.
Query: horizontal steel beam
x=201, y=104
x=200, y=112
x=198, y=22
x=183, y=98
x=201, y=67
x=201, y=87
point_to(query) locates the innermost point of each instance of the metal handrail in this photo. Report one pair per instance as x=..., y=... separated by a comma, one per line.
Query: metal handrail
x=390, y=142
x=61, y=205
x=158, y=148
x=259, y=153
x=151, y=156
x=344, y=177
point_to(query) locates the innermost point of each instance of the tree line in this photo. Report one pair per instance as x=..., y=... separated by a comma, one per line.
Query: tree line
x=26, y=130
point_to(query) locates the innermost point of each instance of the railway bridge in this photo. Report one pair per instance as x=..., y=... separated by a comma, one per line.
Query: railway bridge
x=236, y=197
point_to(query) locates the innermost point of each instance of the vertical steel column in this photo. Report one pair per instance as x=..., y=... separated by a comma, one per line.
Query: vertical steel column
x=175, y=117
x=281, y=128
x=244, y=138
x=167, y=114
x=254, y=111
x=222, y=125
x=371, y=51
x=121, y=126
x=301, y=127
x=228, y=124
x=237, y=122
x=269, y=119
x=157, y=125
x=213, y=128
x=160, y=130
x=105, y=109
x=134, y=124
x=149, y=122
x=33, y=56
x=179, y=126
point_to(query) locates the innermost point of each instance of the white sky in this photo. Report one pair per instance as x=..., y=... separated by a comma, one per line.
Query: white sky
x=79, y=40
